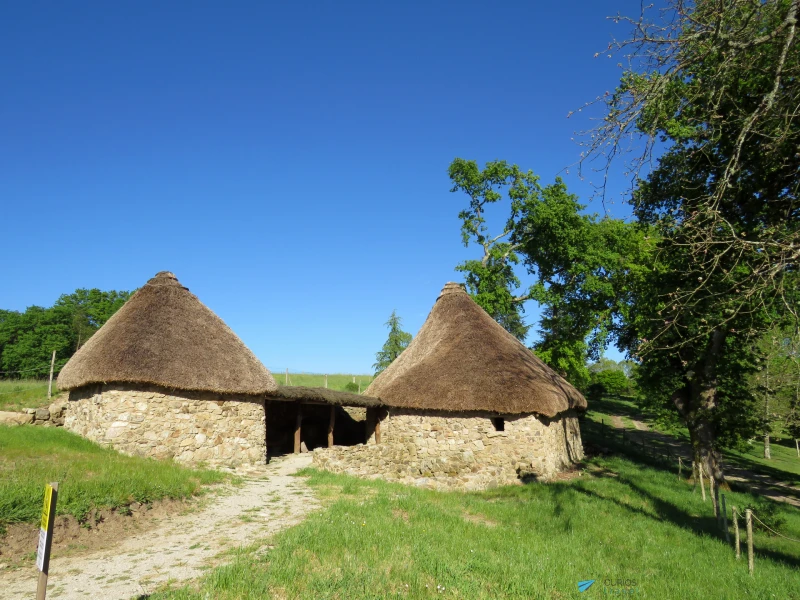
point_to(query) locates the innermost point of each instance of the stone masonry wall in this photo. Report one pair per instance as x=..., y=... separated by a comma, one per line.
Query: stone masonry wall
x=190, y=427
x=460, y=451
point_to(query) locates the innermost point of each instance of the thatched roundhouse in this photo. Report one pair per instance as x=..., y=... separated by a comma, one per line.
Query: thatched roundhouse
x=468, y=405
x=165, y=377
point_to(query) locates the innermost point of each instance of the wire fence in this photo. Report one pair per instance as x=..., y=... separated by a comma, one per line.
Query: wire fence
x=665, y=456
x=45, y=369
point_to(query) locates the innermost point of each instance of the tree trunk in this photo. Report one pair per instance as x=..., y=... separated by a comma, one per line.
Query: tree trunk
x=696, y=402
x=767, y=392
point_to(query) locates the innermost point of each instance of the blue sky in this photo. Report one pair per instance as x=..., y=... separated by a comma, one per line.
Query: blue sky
x=287, y=161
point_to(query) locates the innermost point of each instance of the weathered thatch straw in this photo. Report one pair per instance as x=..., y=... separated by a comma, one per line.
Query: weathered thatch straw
x=164, y=335
x=463, y=360
x=315, y=394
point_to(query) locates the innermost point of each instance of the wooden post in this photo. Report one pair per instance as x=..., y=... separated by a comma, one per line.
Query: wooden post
x=331, y=424
x=680, y=466
x=725, y=521
x=702, y=485
x=369, y=424
x=713, y=490
x=354, y=378
x=378, y=426
x=50, y=386
x=297, y=427
x=266, y=431
x=748, y=517
x=287, y=375
x=41, y=587
x=326, y=382
x=797, y=447
x=736, y=542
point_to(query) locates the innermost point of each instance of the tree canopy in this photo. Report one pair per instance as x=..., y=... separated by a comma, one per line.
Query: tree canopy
x=27, y=339
x=397, y=341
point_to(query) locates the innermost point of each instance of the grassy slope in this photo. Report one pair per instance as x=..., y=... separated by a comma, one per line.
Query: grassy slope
x=89, y=476
x=620, y=520
x=32, y=393
x=783, y=466
x=24, y=393
x=335, y=382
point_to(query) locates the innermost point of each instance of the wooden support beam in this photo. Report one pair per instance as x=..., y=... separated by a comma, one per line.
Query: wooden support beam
x=331, y=424
x=377, y=427
x=266, y=431
x=298, y=425
x=369, y=424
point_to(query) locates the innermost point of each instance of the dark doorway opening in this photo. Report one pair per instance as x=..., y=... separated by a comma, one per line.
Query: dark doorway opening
x=499, y=423
x=282, y=423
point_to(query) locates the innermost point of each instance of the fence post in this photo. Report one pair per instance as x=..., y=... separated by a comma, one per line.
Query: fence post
x=287, y=375
x=680, y=466
x=725, y=521
x=702, y=485
x=737, y=543
x=50, y=386
x=326, y=382
x=748, y=517
x=713, y=490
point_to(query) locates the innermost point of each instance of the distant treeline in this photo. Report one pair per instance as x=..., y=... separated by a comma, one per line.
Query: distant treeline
x=27, y=339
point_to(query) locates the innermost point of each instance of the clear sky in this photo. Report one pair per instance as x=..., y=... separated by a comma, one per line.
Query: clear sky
x=287, y=161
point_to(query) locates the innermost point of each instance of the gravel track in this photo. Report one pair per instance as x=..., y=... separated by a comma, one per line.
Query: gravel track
x=181, y=547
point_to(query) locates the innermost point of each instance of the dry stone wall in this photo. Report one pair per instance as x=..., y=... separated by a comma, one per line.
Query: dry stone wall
x=460, y=451
x=191, y=427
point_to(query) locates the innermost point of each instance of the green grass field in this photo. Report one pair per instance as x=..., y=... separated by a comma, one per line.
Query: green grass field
x=620, y=520
x=32, y=393
x=783, y=466
x=89, y=476
x=336, y=381
x=16, y=394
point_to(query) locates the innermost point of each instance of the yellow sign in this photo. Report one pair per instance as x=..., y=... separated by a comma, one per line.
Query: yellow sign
x=48, y=497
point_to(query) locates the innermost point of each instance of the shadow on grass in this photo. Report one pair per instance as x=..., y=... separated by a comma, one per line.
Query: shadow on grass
x=759, y=468
x=661, y=451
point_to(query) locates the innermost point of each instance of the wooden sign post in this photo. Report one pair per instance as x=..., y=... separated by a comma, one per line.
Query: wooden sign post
x=46, y=537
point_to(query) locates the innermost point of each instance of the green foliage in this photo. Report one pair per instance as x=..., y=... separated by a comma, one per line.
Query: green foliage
x=27, y=339
x=715, y=86
x=351, y=386
x=609, y=383
x=91, y=477
x=769, y=514
x=491, y=281
x=776, y=381
x=581, y=263
x=397, y=341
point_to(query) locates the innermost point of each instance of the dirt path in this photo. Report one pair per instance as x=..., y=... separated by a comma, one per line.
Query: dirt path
x=758, y=483
x=177, y=550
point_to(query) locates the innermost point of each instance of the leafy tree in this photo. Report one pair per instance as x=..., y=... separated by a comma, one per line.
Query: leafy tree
x=610, y=382
x=571, y=255
x=27, y=339
x=713, y=86
x=491, y=280
x=397, y=341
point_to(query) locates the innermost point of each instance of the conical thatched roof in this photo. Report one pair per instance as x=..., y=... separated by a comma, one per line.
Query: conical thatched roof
x=463, y=360
x=164, y=335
